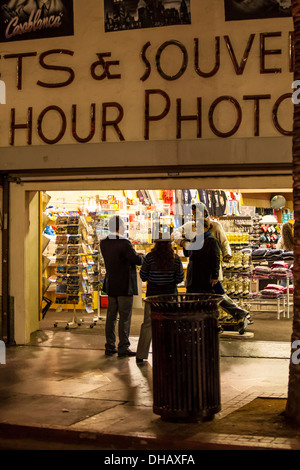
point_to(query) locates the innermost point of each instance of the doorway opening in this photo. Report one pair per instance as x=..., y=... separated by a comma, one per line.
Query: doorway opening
x=71, y=274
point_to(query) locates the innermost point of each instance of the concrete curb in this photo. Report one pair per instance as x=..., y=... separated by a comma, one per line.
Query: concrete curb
x=70, y=438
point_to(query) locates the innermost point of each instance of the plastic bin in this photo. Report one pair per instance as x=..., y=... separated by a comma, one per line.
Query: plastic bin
x=185, y=351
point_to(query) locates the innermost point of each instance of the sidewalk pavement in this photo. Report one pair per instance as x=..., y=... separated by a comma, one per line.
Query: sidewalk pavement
x=62, y=392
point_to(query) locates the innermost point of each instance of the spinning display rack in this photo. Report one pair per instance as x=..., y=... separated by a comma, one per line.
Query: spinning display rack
x=71, y=275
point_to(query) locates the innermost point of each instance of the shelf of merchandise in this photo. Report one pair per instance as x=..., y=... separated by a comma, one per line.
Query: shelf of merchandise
x=242, y=232
x=70, y=268
x=269, y=235
x=258, y=232
x=44, y=302
x=280, y=305
x=71, y=256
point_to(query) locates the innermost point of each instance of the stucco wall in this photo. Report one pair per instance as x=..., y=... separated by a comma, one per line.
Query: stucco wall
x=129, y=92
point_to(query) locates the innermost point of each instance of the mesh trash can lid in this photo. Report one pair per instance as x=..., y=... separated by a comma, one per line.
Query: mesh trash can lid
x=184, y=302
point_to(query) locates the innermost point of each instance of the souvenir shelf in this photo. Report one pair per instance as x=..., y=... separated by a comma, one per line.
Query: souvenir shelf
x=44, y=261
x=73, y=270
x=240, y=278
x=237, y=229
x=265, y=234
x=274, y=271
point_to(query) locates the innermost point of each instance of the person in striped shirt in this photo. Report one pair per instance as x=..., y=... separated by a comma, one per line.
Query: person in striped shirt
x=163, y=271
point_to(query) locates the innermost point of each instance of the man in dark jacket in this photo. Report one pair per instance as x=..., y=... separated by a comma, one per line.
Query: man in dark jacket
x=120, y=284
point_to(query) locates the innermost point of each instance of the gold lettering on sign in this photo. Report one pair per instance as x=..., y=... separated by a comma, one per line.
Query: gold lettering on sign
x=74, y=124
x=211, y=116
x=275, y=114
x=184, y=60
x=19, y=58
x=56, y=67
x=256, y=99
x=147, y=63
x=105, y=65
x=148, y=117
x=239, y=68
x=157, y=102
x=62, y=129
x=264, y=52
x=181, y=118
x=14, y=126
x=217, y=58
x=115, y=122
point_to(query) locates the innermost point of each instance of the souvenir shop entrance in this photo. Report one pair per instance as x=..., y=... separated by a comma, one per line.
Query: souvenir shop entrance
x=60, y=211
x=258, y=277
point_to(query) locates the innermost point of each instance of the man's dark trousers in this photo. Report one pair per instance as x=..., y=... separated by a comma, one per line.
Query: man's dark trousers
x=123, y=305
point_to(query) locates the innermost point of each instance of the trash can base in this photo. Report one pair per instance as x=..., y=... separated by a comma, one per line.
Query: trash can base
x=186, y=417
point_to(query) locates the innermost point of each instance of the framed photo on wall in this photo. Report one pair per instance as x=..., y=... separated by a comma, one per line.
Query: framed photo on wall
x=256, y=9
x=139, y=14
x=35, y=19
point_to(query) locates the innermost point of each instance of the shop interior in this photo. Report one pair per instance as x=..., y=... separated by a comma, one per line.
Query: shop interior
x=258, y=276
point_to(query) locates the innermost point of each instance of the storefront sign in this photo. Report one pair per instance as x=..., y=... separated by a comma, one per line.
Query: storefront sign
x=107, y=67
x=20, y=20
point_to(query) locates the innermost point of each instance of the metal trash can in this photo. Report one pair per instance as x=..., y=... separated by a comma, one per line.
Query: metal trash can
x=185, y=352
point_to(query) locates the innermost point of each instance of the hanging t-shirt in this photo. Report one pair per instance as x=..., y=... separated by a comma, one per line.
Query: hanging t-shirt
x=210, y=203
x=194, y=196
x=140, y=195
x=186, y=196
x=179, y=201
x=220, y=203
x=169, y=198
x=202, y=196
